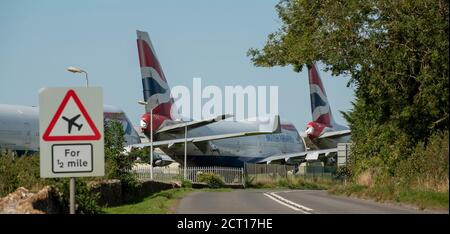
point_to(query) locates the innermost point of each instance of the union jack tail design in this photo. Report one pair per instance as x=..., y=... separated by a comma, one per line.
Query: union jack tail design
x=320, y=107
x=155, y=87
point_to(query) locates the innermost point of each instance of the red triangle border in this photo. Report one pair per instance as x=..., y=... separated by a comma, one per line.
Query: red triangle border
x=69, y=94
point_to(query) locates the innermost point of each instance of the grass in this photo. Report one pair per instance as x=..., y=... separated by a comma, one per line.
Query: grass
x=291, y=183
x=423, y=199
x=158, y=203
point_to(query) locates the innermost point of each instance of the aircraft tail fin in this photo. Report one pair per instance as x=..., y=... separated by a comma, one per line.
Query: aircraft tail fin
x=320, y=107
x=155, y=87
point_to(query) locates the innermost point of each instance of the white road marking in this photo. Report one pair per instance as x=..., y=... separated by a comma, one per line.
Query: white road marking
x=288, y=203
x=291, y=202
x=284, y=204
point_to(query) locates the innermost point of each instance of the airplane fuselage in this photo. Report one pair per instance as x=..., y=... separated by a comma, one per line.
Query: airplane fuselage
x=234, y=152
x=19, y=128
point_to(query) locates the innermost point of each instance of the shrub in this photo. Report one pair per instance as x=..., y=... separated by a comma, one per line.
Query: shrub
x=186, y=184
x=19, y=172
x=211, y=179
x=85, y=200
x=427, y=167
x=343, y=172
x=248, y=181
x=118, y=165
x=284, y=183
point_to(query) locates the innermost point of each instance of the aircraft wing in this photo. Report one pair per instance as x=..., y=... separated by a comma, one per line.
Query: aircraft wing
x=179, y=127
x=170, y=143
x=272, y=126
x=305, y=155
x=335, y=134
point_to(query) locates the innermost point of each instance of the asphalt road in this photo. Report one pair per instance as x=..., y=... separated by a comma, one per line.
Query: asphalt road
x=284, y=202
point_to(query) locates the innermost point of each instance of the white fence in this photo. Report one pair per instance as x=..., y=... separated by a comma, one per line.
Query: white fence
x=166, y=174
x=230, y=175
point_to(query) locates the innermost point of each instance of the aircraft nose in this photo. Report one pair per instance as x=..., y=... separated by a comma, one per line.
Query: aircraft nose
x=143, y=124
x=309, y=130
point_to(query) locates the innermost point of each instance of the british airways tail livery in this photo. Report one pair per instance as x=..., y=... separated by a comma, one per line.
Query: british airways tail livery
x=323, y=130
x=156, y=90
x=320, y=107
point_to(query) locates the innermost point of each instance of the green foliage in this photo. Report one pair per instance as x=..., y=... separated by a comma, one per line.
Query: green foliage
x=186, y=183
x=86, y=201
x=427, y=167
x=249, y=181
x=118, y=165
x=291, y=183
x=143, y=154
x=424, y=198
x=397, y=54
x=18, y=172
x=344, y=172
x=24, y=171
x=211, y=179
x=396, y=193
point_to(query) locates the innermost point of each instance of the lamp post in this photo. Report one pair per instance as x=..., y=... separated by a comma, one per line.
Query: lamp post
x=78, y=70
x=151, y=138
x=151, y=144
x=185, y=150
x=72, y=179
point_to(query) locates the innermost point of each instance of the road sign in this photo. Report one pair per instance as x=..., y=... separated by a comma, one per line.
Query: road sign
x=71, y=120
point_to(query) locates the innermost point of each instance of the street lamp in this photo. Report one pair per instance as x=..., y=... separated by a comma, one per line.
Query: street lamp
x=185, y=151
x=72, y=179
x=151, y=138
x=78, y=70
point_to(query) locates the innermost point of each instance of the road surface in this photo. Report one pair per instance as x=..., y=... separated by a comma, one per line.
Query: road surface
x=250, y=201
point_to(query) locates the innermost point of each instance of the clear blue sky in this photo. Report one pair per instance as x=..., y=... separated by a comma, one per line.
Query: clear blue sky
x=207, y=39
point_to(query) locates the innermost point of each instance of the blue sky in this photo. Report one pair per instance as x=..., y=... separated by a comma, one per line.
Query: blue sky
x=198, y=38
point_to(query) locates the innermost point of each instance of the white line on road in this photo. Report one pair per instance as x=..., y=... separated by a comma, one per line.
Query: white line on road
x=288, y=203
x=291, y=202
x=284, y=204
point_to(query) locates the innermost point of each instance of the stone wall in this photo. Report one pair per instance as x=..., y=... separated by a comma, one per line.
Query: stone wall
x=23, y=201
x=45, y=201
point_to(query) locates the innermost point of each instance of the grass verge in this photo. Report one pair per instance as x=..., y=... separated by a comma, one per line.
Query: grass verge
x=158, y=203
x=423, y=199
x=291, y=183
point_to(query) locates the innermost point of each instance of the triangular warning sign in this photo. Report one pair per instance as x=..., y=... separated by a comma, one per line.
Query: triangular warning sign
x=72, y=122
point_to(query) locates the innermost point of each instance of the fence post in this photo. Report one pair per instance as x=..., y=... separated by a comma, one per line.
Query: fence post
x=242, y=173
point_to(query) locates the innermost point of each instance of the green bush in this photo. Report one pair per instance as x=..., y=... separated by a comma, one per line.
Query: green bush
x=248, y=181
x=85, y=200
x=211, y=179
x=186, y=183
x=18, y=172
x=24, y=172
x=118, y=165
x=343, y=172
x=284, y=183
x=428, y=166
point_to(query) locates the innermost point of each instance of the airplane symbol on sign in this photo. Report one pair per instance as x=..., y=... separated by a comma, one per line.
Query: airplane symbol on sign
x=71, y=122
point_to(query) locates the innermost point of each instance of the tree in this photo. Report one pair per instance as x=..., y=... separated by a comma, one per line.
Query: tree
x=397, y=54
x=118, y=164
